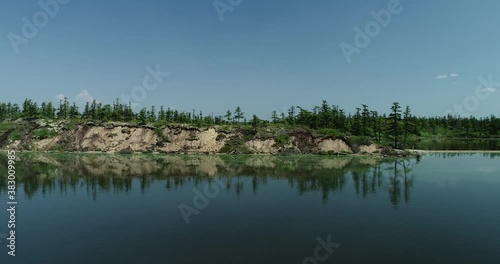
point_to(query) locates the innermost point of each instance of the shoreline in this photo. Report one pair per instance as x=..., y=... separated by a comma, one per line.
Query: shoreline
x=452, y=151
x=412, y=152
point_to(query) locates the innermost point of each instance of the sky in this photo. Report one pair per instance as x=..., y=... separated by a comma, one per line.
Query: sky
x=438, y=57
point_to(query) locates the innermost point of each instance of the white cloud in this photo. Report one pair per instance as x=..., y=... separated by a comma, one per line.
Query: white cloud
x=443, y=76
x=80, y=98
x=84, y=97
x=489, y=89
x=60, y=97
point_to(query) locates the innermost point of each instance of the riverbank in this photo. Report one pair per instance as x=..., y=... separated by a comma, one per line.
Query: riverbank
x=114, y=137
x=62, y=136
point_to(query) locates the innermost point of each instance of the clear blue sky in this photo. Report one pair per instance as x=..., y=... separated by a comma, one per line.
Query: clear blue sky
x=264, y=55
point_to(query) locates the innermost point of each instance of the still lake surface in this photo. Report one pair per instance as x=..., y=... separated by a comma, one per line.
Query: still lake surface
x=443, y=208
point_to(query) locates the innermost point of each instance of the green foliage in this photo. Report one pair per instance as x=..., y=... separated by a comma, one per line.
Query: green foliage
x=160, y=136
x=255, y=122
x=235, y=146
x=360, y=140
x=282, y=139
x=43, y=133
x=328, y=119
x=395, y=123
x=15, y=135
x=57, y=148
x=4, y=126
x=238, y=114
x=330, y=132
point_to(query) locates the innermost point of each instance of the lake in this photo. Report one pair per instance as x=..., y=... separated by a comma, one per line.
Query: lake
x=93, y=208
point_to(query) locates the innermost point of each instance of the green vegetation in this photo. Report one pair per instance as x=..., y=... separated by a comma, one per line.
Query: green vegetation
x=15, y=135
x=161, y=137
x=282, y=140
x=43, y=133
x=236, y=146
x=399, y=129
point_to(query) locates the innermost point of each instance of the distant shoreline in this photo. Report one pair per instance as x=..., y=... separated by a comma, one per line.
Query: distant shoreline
x=453, y=151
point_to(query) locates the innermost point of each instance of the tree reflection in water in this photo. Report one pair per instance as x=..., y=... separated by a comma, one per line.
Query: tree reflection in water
x=51, y=173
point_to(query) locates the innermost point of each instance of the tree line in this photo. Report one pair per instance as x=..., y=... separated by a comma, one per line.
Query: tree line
x=400, y=125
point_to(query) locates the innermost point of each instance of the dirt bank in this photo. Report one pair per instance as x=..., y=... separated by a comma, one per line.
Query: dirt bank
x=40, y=135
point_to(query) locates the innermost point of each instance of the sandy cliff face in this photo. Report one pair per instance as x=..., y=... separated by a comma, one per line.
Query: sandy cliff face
x=181, y=139
x=177, y=139
x=333, y=146
x=135, y=139
x=259, y=146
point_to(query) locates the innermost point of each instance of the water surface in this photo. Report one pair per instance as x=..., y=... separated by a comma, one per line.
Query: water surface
x=125, y=209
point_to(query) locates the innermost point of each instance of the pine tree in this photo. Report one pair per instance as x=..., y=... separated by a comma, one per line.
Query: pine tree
x=143, y=118
x=152, y=114
x=238, y=114
x=228, y=116
x=274, y=117
x=86, y=111
x=161, y=114
x=407, y=125
x=255, y=122
x=394, y=123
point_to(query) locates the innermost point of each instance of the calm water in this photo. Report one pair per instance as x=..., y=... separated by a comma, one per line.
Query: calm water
x=125, y=209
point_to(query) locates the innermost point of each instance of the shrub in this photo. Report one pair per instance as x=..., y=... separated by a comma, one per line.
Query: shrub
x=360, y=140
x=15, y=135
x=161, y=137
x=44, y=133
x=282, y=139
x=330, y=132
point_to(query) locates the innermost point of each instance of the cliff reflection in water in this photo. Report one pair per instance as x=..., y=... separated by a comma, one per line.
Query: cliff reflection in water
x=95, y=173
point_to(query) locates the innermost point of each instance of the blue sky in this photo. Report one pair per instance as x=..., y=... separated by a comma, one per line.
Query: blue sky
x=264, y=55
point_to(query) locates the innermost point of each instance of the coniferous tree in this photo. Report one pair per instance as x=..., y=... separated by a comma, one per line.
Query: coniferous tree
x=255, y=122
x=356, y=128
x=161, y=114
x=238, y=114
x=394, y=123
x=407, y=125
x=365, y=119
x=143, y=117
x=228, y=116
x=274, y=117
x=152, y=114
x=73, y=112
x=86, y=111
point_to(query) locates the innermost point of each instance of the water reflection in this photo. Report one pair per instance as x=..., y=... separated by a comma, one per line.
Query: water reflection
x=50, y=173
x=459, y=144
